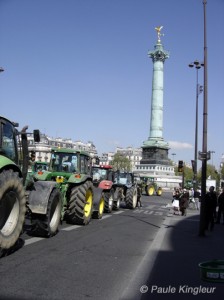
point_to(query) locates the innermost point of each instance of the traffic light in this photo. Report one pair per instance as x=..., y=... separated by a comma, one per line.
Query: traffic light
x=36, y=135
x=180, y=166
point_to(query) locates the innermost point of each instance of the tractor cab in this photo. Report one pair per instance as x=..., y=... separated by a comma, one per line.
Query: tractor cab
x=8, y=141
x=124, y=178
x=100, y=173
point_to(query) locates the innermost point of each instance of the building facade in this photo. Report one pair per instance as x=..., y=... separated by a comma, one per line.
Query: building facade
x=43, y=148
x=133, y=154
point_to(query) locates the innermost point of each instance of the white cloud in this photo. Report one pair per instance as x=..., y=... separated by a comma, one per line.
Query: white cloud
x=179, y=145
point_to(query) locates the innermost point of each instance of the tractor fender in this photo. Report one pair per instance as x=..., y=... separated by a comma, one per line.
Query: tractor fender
x=105, y=184
x=97, y=195
x=6, y=163
x=39, y=196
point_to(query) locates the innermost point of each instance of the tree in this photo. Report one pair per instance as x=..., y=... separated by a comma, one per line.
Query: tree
x=210, y=172
x=120, y=162
x=188, y=173
x=222, y=172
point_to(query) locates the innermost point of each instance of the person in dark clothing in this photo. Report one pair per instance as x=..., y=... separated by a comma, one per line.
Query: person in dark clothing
x=221, y=208
x=210, y=208
x=184, y=200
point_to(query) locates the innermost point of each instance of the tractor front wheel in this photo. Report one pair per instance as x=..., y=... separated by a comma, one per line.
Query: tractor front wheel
x=98, y=214
x=117, y=198
x=47, y=225
x=159, y=191
x=109, y=200
x=131, y=197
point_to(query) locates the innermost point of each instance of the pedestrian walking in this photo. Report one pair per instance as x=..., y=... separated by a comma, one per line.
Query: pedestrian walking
x=175, y=201
x=191, y=195
x=221, y=208
x=191, y=198
x=210, y=208
x=184, y=200
x=139, y=195
x=176, y=194
x=197, y=196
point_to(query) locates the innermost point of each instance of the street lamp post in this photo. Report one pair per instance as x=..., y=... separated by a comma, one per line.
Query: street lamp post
x=204, y=154
x=199, y=89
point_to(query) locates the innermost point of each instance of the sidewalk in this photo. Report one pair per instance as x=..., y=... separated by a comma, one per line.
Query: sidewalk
x=175, y=273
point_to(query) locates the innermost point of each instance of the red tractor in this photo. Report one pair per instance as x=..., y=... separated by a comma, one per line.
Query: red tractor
x=103, y=177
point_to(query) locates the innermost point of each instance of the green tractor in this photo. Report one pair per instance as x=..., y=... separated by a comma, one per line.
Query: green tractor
x=39, y=166
x=127, y=189
x=34, y=167
x=14, y=162
x=151, y=187
x=73, y=197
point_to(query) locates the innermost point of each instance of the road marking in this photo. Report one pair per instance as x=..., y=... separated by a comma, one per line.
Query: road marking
x=71, y=227
x=147, y=212
x=108, y=216
x=33, y=240
x=150, y=212
x=105, y=217
x=118, y=212
x=158, y=213
x=150, y=206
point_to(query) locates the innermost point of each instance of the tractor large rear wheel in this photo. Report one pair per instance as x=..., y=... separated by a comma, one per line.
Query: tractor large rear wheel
x=80, y=204
x=12, y=208
x=131, y=197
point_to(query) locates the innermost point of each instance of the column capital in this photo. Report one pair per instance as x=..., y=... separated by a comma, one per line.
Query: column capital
x=158, y=54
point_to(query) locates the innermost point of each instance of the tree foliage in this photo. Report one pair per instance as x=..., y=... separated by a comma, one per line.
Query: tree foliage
x=222, y=172
x=120, y=162
x=210, y=172
x=188, y=173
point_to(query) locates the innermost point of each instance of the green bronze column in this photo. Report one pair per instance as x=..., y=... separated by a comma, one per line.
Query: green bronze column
x=158, y=57
x=155, y=149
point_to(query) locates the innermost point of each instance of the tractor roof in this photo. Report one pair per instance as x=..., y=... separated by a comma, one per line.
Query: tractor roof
x=13, y=123
x=41, y=162
x=69, y=150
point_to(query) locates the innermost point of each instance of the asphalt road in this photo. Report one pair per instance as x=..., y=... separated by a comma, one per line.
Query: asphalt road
x=98, y=261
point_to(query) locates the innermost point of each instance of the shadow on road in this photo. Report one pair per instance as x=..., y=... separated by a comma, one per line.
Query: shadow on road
x=176, y=272
x=18, y=245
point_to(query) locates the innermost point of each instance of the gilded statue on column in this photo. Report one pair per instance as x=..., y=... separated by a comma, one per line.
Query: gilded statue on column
x=158, y=29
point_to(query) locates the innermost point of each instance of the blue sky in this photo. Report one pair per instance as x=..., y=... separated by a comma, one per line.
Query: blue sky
x=80, y=69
